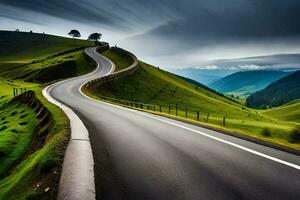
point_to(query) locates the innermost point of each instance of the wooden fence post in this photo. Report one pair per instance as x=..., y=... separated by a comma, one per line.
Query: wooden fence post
x=207, y=117
x=176, y=109
x=186, y=112
x=224, y=121
x=197, y=115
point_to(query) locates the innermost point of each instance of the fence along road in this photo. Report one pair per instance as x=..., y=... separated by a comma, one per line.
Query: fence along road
x=142, y=156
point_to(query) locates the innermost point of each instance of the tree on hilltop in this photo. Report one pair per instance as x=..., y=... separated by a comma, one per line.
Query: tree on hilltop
x=74, y=33
x=95, y=37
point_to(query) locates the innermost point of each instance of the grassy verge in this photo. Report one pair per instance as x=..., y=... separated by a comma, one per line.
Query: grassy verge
x=121, y=61
x=150, y=85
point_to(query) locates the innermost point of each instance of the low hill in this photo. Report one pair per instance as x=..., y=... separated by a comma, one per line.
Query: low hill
x=41, y=58
x=245, y=83
x=277, y=93
x=24, y=47
x=287, y=112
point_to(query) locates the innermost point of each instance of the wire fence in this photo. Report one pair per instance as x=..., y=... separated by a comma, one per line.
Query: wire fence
x=170, y=109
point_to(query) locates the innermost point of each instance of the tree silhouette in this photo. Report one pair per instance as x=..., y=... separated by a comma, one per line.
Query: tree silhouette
x=74, y=33
x=95, y=37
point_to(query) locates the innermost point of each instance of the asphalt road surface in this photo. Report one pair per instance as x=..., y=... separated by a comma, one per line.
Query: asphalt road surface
x=142, y=156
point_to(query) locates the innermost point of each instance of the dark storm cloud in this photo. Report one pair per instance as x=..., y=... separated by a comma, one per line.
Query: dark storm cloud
x=175, y=27
x=214, y=21
x=206, y=21
x=18, y=18
x=66, y=9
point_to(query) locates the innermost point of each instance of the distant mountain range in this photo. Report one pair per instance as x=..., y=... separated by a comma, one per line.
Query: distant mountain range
x=205, y=77
x=278, y=93
x=245, y=83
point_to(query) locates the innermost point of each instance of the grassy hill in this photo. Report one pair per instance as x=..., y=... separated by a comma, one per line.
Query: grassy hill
x=287, y=112
x=247, y=82
x=29, y=60
x=152, y=86
x=22, y=47
x=120, y=60
x=278, y=93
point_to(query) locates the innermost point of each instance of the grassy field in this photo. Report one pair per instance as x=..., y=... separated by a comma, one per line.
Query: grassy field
x=30, y=61
x=121, y=61
x=150, y=85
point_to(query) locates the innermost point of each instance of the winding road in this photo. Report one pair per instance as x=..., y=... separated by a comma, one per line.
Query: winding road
x=147, y=157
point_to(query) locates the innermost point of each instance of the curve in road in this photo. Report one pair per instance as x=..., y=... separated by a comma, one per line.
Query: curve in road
x=142, y=156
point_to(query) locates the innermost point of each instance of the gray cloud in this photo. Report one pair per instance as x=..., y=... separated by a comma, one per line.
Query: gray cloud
x=275, y=62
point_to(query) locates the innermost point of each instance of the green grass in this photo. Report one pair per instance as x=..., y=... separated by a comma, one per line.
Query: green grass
x=40, y=166
x=121, y=61
x=16, y=133
x=288, y=112
x=151, y=85
x=42, y=60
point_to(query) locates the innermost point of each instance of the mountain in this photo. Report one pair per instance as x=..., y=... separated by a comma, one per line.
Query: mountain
x=278, y=93
x=203, y=76
x=245, y=83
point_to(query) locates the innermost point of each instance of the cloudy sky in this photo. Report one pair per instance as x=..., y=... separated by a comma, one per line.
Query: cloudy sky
x=173, y=33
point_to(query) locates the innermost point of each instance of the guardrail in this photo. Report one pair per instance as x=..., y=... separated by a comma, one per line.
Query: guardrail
x=116, y=75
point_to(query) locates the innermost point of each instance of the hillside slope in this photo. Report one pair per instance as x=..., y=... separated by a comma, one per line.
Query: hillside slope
x=278, y=93
x=247, y=82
